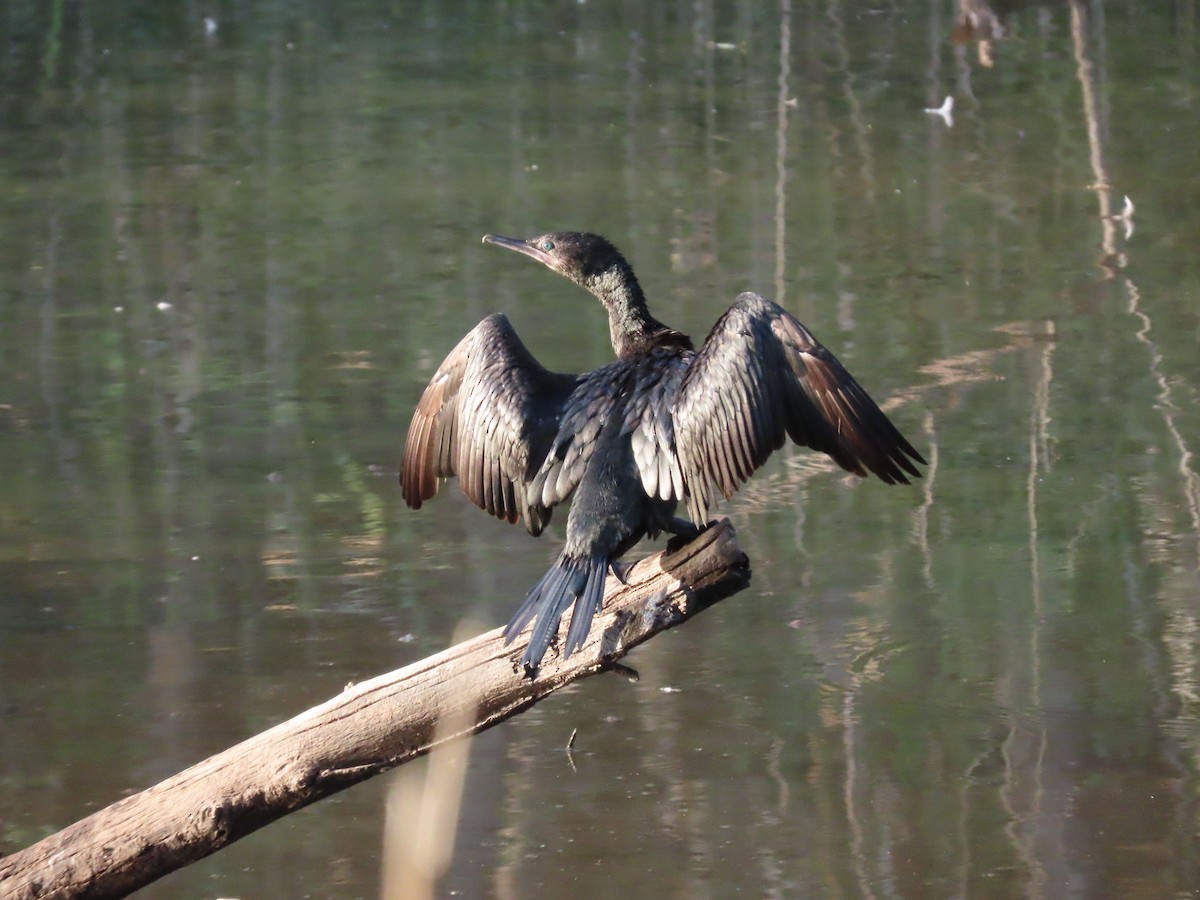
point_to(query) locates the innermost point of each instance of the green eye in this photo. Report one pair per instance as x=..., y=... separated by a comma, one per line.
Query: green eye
x=548, y=246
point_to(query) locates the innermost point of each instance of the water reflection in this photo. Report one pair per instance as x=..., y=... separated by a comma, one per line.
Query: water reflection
x=229, y=263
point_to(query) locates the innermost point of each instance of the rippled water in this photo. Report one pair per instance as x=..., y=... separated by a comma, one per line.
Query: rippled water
x=229, y=262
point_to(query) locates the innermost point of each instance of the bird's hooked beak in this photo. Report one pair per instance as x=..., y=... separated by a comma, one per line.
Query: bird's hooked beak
x=530, y=250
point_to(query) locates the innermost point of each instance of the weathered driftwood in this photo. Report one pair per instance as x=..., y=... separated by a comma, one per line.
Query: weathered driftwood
x=368, y=728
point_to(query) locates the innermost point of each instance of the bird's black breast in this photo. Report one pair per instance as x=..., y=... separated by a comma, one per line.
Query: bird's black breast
x=629, y=400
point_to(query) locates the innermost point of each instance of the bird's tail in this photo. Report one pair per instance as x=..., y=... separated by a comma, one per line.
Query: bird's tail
x=570, y=580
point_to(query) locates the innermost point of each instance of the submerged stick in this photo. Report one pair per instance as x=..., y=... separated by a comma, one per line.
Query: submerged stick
x=367, y=729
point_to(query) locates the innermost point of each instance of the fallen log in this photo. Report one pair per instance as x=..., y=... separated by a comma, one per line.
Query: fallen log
x=369, y=728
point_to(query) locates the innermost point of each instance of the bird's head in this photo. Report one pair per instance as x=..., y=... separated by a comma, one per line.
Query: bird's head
x=587, y=259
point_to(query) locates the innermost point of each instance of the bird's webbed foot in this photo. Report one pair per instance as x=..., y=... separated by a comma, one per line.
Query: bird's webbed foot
x=685, y=531
x=621, y=569
x=683, y=527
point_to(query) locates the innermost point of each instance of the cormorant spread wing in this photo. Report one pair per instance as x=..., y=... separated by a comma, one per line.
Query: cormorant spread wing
x=488, y=415
x=759, y=377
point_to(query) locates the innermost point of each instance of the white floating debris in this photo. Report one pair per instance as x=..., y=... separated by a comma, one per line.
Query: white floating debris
x=1125, y=217
x=946, y=111
x=210, y=26
x=162, y=306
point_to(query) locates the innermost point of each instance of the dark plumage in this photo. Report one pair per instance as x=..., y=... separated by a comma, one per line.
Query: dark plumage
x=663, y=424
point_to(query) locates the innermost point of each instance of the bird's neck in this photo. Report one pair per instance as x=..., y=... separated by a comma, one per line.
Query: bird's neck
x=630, y=326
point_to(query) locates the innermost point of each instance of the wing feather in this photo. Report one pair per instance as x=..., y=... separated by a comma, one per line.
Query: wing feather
x=489, y=416
x=648, y=419
x=760, y=377
x=596, y=398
